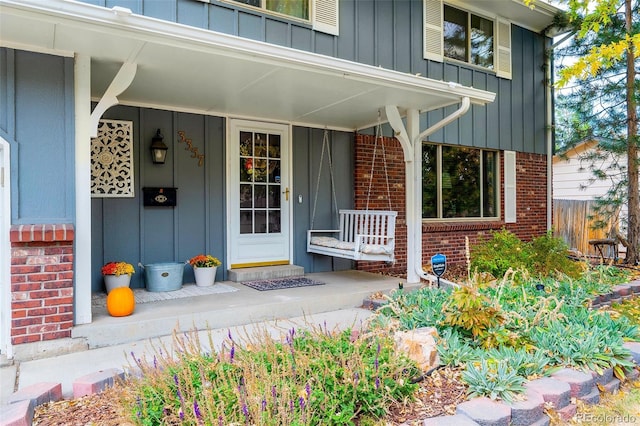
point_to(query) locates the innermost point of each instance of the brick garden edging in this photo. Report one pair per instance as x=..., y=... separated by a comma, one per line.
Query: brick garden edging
x=20, y=409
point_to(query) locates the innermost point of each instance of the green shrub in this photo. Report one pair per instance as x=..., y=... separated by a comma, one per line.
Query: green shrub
x=501, y=252
x=549, y=256
x=544, y=256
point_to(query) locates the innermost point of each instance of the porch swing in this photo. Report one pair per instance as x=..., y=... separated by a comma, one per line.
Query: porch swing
x=367, y=235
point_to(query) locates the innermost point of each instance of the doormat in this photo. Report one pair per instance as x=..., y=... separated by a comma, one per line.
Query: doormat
x=280, y=283
x=188, y=290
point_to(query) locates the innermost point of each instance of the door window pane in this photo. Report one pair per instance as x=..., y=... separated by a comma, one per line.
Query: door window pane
x=274, y=221
x=260, y=198
x=246, y=222
x=260, y=222
x=246, y=196
x=274, y=196
x=260, y=168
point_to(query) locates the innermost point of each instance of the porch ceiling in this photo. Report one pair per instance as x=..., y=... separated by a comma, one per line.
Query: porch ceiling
x=186, y=68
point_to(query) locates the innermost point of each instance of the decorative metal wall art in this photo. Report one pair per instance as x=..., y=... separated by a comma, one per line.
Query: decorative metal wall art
x=190, y=147
x=112, y=160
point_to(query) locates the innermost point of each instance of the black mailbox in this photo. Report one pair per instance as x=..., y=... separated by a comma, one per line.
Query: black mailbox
x=159, y=197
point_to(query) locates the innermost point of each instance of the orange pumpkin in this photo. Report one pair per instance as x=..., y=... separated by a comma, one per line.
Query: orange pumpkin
x=121, y=302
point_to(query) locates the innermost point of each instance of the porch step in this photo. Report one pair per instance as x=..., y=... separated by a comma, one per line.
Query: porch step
x=265, y=273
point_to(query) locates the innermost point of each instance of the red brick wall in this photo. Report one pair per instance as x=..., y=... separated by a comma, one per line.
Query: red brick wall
x=41, y=282
x=443, y=237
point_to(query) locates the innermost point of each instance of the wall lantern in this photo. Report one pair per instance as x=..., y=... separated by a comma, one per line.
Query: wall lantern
x=158, y=148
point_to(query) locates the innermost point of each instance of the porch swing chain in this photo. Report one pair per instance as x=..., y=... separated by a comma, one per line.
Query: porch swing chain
x=325, y=145
x=373, y=162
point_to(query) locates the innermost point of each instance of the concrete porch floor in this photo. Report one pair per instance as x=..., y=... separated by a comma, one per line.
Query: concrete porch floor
x=342, y=290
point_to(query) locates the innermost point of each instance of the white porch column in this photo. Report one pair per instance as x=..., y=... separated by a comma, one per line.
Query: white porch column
x=82, y=250
x=414, y=198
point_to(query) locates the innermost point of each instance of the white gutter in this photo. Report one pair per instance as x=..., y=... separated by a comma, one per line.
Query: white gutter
x=464, y=107
x=549, y=135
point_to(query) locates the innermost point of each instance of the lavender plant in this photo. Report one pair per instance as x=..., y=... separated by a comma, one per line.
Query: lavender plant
x=309, y=377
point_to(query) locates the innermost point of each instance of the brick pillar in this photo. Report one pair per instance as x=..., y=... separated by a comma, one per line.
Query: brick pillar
x=41, y=282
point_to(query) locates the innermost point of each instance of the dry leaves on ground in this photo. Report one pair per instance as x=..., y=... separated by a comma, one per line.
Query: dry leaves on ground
x=103, y=409
x=439, y=393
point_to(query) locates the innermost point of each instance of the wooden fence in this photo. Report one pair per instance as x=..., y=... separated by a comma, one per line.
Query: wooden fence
x=571, y=222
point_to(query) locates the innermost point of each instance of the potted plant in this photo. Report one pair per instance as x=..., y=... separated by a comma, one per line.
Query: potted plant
x=204, y=269
x=117, y=274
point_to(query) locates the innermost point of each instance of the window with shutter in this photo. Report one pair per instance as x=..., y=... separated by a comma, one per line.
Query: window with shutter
x=322, y=14
x=453, y=33
x=503, y=66
x=432, y=12
x=325, y=16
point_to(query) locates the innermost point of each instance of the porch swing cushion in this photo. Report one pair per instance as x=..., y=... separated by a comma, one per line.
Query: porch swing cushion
x=346, y=245
x=363, y=235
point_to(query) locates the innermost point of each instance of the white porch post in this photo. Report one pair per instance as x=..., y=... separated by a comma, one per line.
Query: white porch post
x=82, y=250
x=411, y=138
x=414, y=198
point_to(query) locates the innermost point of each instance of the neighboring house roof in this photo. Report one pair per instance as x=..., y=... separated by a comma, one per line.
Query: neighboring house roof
x=574, y=151
x=571, y=175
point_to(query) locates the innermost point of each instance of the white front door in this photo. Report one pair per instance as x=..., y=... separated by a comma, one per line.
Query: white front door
x=258, y=192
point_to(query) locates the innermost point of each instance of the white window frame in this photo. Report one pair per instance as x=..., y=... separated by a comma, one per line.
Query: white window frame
x=323, y=14
x=433, y=37
x=440, y=209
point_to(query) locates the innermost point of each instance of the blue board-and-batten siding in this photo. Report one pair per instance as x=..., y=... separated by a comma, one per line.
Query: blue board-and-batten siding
x=36, y=118
x=125, y=229
x=388, y=33
x=39, y=124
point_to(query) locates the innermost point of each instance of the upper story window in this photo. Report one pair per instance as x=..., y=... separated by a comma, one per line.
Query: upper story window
x=459, y=182
x=451, y=32
x=468, y=37
x=295, y=8
x=323, y=15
